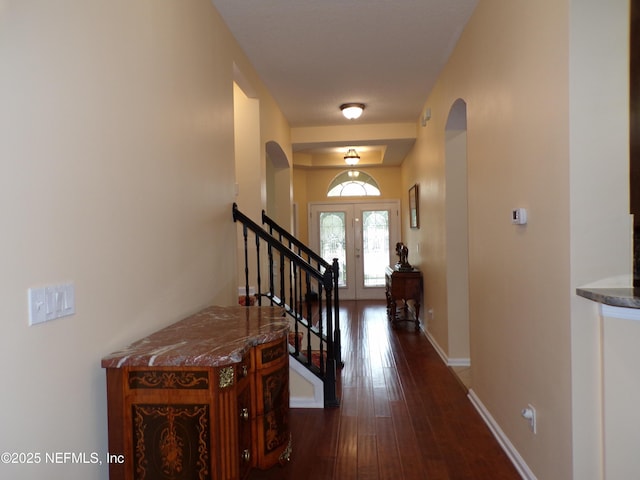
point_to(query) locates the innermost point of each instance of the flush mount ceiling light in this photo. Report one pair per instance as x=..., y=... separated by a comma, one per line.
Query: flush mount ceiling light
x=352, y=111
x=352, y=157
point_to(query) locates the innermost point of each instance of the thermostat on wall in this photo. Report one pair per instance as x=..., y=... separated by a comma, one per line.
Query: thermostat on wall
x=519, y=216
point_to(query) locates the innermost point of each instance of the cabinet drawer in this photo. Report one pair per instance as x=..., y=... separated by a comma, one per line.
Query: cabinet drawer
x=163, y=378
x=270, y=354
x=245, y=369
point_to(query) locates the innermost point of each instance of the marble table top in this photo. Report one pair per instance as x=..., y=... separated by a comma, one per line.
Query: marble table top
x=616, y=297
x=216, y=336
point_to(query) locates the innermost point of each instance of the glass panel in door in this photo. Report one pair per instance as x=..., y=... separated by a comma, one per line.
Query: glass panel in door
x=360, y=236
x=376, y=231
x=333, y=241
x=375, y=246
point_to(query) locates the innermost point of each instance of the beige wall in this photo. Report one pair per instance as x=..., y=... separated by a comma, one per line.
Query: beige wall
x=311, y=184
x=546, y=132
x=249, y=163
x=117, y=174
x=600, y=221
x=250, y=172
x=275, y=128
x=510, y=72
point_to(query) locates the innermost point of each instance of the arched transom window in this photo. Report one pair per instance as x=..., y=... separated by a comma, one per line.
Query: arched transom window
x=353, y=183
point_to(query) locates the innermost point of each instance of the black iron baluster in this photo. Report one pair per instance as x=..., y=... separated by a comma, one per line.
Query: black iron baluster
x=301, y=262
x=321, y=331
x=245, y=234
x=283, y=296
x=258, y=277
x=309, y=321
x=271, y=280
x=296, y=298
x=337, y=343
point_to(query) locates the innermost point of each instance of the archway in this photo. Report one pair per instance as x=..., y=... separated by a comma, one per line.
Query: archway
x=278, y=185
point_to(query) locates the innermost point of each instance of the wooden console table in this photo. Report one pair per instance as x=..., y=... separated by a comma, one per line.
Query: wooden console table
x=205, y=398
x=402, y=286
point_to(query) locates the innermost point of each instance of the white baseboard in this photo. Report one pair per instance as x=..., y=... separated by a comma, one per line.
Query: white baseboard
x=459, y=362
x=305, y=402
x=517, y=460
x=437, y=347
x=450, y=362
x=504, y=442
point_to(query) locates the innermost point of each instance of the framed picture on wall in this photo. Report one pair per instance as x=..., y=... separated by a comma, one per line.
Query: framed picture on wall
x=414, y=211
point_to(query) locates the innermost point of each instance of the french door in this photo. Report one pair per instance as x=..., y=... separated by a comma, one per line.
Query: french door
x=362, y=236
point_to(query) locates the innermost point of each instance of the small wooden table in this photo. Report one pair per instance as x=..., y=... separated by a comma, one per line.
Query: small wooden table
x=403, y=286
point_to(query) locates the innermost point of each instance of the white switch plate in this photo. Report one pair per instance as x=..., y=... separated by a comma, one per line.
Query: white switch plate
x=530, y=415
x=49, y=303
x=519, y=216
x=37, y=307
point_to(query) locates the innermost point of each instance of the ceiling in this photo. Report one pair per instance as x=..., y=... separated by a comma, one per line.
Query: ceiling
x=314, y=55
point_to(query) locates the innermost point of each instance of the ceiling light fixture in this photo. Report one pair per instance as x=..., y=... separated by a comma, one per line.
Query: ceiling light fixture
x=352, y=111
x=352, y=157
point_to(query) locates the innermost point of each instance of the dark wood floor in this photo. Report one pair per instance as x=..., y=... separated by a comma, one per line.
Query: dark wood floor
x=403, y=414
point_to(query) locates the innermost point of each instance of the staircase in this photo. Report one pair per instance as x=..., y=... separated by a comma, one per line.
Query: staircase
x=280, y=270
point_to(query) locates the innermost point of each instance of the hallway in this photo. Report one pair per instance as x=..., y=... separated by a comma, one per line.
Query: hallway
x=403, y=414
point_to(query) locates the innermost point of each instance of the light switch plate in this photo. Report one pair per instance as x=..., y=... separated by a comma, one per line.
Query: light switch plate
x=519, y=216
x=51, y=302
x=37, y=306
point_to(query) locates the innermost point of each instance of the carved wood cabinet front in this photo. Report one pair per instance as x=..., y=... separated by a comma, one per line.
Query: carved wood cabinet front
x=184, y=422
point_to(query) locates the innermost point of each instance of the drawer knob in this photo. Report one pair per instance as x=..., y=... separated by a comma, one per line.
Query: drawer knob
x=244, y=413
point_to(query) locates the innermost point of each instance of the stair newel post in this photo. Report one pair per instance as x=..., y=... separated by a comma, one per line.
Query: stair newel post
x=337, y=342
x=330, y=394
x=245, y=234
